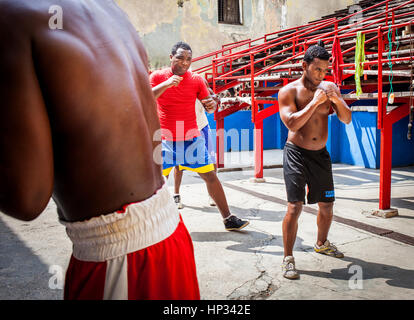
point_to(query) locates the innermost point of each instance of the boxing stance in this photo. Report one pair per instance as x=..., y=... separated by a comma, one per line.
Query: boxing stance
x=176, y=90
x=204, y=128
x=304, y=108
x=77, y=120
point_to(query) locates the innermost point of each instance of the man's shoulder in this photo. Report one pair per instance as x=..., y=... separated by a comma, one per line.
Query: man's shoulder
x=10, y=11
x=195, y=76
x=16, y=11
x=22, y=18
x=290, y=88
x=10, y=7
x=158, y=74
x=16, y=28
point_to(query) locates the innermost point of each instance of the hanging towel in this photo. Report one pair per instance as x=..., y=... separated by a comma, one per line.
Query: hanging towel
x=337, y=60
x=359, y=61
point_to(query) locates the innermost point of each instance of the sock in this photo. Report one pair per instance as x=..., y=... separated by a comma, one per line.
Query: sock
x=225, y=219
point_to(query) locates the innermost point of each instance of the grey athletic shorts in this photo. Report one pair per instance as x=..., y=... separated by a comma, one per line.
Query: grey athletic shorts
x=313, y=168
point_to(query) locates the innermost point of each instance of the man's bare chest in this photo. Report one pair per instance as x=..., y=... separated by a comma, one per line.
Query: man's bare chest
x=304, y=97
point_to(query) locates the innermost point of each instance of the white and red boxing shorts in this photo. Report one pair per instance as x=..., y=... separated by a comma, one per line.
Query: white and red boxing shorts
x=143, y=252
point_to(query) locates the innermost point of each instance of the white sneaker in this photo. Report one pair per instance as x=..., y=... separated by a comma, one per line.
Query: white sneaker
x=289, y=269
x=177, y=200
x=328, y=249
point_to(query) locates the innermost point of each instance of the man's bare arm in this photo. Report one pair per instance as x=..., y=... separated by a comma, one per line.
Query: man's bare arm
x=342, y=110
x=158, y=90
x=210, y=103
x=26, y=157
x=289, y=114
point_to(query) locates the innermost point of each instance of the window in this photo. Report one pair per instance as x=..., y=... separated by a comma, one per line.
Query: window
x=229, y=11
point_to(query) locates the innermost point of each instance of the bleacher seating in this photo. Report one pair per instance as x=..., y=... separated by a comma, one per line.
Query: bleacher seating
x=248, y=74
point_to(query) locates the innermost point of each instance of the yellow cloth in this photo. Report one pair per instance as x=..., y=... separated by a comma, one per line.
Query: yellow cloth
x=359, y=61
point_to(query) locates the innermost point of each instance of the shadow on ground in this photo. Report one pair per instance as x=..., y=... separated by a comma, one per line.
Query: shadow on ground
x=246, y=213
x=396, y=276
x=249, y=241
x=22, y=274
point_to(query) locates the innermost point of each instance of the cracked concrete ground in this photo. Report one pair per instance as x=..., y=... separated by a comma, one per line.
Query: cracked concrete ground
x=245, y=265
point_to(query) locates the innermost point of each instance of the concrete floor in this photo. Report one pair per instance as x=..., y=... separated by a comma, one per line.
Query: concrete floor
x=378, y=263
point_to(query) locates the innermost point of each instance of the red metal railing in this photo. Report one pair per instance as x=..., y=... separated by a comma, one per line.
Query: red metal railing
x=294, y=42
x=249, y=42
x=220, y=61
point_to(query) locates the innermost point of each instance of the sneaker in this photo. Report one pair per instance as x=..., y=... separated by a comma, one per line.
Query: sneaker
x=328, y=249
x=289, y=269
x=211, y=202
x=233, y=223
x=177, y=200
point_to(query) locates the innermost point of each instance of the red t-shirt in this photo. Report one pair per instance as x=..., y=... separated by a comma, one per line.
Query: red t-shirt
x=176, y=106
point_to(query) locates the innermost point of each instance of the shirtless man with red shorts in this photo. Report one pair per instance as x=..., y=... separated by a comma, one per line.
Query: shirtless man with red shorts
x=77, y=120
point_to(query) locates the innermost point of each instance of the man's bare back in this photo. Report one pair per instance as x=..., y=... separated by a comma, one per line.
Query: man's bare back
x=78, y=115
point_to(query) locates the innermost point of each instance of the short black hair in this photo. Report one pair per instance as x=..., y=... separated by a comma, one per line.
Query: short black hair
x=316, y=51
x=179, y=45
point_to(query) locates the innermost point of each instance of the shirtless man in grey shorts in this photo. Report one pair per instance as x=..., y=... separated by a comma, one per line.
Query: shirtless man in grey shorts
x=304, y=108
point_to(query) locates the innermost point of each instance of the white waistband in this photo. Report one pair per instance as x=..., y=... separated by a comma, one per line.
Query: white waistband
x=141, y=225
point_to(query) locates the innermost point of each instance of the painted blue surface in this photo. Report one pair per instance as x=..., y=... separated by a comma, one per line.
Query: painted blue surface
x=239, y=128
x=333, y=144
x=357, y=143
x=238, y=131
x=402, y=148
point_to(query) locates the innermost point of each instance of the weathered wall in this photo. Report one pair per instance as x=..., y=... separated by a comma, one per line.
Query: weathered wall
x=162, y=23
x=301, y=11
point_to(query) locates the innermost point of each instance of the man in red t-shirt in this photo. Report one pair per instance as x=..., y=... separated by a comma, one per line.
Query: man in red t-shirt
x=176, y=90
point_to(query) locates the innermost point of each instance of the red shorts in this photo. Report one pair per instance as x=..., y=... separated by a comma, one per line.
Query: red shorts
x=145, y=252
